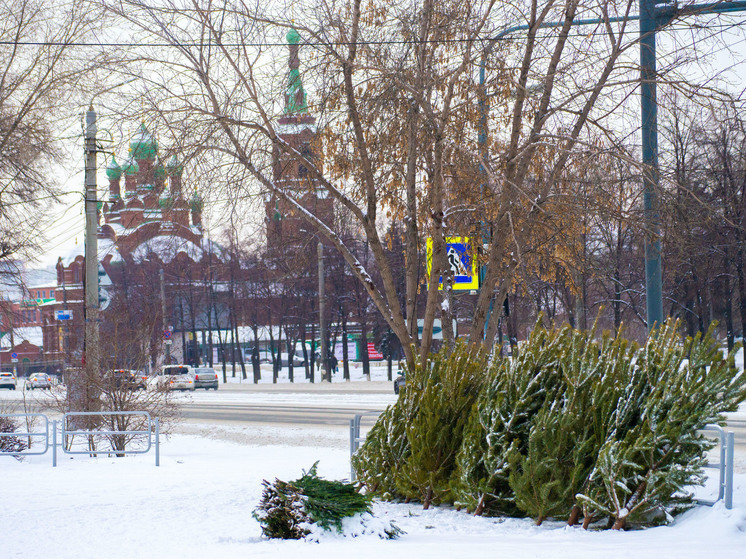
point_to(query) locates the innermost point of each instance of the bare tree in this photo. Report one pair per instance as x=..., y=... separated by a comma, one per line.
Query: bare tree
x=42, y=76
x=398, y=99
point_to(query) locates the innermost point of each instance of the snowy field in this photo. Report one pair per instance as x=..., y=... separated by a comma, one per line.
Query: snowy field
x=198, y=503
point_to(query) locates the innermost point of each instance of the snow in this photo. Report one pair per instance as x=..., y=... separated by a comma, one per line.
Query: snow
x=105, y=247
x=198, y=503
x=167, y=247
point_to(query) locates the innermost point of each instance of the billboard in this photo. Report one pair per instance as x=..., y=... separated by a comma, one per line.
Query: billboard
x=462, y=262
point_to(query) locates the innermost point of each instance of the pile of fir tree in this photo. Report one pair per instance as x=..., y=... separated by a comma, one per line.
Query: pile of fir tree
x=410, y=453
x=573, y=428
x=293, y=510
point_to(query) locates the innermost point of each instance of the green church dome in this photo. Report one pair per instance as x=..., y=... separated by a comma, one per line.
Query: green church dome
x=113, y=170
x=293, y=37
x=143, y=145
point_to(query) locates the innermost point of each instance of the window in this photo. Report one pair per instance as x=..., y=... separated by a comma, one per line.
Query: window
x=51, y=293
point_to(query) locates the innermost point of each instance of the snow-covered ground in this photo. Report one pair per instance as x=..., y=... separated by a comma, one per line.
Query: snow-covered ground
x=198, y=504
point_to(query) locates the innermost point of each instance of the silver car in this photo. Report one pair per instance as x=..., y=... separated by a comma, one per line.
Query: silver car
x=8, y=380
x=39, y=380
x=178, y=377
x=205, y=377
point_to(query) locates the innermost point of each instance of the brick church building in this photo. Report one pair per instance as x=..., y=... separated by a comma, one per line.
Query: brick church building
x=146, y=223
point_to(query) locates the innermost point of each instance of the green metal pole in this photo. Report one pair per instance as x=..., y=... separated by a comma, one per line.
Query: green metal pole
x=650, y=174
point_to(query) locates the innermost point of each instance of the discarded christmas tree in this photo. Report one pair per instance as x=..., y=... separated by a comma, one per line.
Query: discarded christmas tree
x=515, y=391
x=449, y=385
x=288, y=510
x=640, y=476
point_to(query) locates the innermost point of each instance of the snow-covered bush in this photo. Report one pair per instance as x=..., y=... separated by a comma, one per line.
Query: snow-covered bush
x=10, y=443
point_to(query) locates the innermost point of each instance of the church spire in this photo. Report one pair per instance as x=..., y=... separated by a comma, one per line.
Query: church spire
x=295, y=96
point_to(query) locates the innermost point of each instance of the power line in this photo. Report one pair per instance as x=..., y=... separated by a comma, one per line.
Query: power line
x=576, y=33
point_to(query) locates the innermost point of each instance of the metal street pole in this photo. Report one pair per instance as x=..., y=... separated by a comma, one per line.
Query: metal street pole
x=167, y=343
x=325, y=372
x=650, y=174
x=91, y=257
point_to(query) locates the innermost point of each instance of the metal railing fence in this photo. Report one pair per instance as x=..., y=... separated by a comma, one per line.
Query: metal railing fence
x=91, y=433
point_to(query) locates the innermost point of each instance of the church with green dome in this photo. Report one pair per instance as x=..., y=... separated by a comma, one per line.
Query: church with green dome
x=146, y=198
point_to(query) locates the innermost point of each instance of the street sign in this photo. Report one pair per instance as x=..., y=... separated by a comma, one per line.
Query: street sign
x=66, y=314
x=461, y=261
x=167, y=334
x=14, y=357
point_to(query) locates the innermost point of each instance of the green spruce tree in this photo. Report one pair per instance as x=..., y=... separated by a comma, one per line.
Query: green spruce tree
x=640, y=476
x=449, y=385
x=500, y=426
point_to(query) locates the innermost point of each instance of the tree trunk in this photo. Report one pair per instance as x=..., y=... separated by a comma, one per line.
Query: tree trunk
x=574, y=516
x=741, y=292
x=345, y=352
x=364, y=344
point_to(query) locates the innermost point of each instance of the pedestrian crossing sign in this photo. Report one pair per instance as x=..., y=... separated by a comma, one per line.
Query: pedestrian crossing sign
x=460, y=258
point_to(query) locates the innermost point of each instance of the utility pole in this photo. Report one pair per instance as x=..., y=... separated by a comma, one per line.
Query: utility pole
x=163, y=312
x=91, y=262
x=649, y=129
x=325, y=372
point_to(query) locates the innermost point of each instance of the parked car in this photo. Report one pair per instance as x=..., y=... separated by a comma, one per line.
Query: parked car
x=178, y=377
x=8, y=380
x=129, y=380
x=298, y=360
x=399, y=382
x=39, y=380
x=205, y=377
